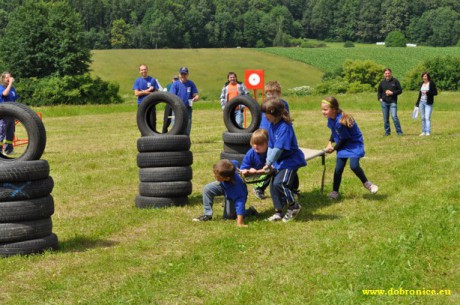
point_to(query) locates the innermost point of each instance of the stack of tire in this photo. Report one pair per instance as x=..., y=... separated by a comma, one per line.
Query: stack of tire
x=26, y=204
x=164, y=159
x=237, y=139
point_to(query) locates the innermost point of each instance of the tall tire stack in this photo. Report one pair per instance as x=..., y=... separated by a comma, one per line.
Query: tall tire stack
x=164, y=159
x=237, y=139
x=26, y=204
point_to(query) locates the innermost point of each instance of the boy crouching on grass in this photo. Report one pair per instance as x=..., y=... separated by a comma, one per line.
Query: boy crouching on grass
x=229, y=184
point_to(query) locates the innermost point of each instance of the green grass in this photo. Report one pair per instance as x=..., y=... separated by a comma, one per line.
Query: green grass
x=400, y=60
x=208, y=68
x=113, y=253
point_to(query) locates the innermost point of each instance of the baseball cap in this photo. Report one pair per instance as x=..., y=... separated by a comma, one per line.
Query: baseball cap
x=183, y=70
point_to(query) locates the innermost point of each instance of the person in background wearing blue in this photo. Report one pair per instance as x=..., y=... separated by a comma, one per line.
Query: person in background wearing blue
x=284, y=157
x=387, y=94
x=349, y=144
x=7, y=124
x=425, y=102
x=229, y=184
x=255, y=159
x=232, y=89
x=186, y=90
x=168, y=110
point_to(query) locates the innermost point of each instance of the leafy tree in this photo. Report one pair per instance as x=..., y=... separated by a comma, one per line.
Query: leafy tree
x=119, y=33
x=396, y=16
x=43, y=39
x=395, y=39
x=368, y=23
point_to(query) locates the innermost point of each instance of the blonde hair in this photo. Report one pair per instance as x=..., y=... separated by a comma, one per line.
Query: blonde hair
x=274, y=86
x=346, y=119
x=275, y=107
x=259, y=137
x=4, y=74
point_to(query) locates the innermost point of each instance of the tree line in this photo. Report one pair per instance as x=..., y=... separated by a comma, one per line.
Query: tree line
x=257, y=23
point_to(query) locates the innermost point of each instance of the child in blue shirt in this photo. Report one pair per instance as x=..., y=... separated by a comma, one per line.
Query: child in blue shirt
x=285, y=157
x=229, y=184
x=255, y=159
x=349, y=144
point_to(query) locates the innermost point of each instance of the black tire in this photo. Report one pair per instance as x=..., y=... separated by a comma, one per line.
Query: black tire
x=236, y=138
x=143, y=202
x=251, y=105
x=165, y=189
x=24, y=170
x=37, y=208
x=31, y=246
x=24, y=230
x=163, y=142
x=164, y=159
x=165, y=174
x=13, y=191
x=148, y=106
x=237, y=157
x=36, y=133
x=236, y=148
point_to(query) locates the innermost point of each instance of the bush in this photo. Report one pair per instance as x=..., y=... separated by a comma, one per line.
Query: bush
x=70, y=90
x=310, y=44
x=444, y=71
x=332, y=86
x=357, y=87
x=362, y=71
x=395, y=39
x=260, y=44
x=299, y=91
x=348, y=44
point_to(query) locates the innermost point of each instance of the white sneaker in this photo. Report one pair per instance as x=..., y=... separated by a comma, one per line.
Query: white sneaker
x=291, y=213
x=371, y=187
x=275, y=217
x=427, y=134
x=422, y=134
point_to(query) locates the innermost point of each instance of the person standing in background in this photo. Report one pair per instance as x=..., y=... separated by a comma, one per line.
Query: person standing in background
x=168, y=110
x=387, y=94
x=145, y=84
x=7, y=124
x=186, y=90
x=425, y=102
x=231, y=89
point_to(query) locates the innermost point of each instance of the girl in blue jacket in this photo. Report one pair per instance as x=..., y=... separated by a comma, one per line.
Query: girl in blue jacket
x=349, y=144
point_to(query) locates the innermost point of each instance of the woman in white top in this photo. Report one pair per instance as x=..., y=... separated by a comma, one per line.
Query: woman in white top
x=425, y=102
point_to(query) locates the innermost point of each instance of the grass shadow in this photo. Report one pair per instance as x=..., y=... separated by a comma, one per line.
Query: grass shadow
x=83, y=243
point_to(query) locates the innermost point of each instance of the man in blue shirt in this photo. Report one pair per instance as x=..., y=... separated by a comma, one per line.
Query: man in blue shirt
x=186, y=90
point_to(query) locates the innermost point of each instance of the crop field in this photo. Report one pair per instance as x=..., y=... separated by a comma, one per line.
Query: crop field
x=400, y=60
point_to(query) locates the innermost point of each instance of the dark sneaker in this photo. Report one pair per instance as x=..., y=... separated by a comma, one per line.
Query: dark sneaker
x=292, y=212
x=259, y=194
x=8, y=151
x=334, y=195
x=203, y=218
x=275, y=217
x=252, y=211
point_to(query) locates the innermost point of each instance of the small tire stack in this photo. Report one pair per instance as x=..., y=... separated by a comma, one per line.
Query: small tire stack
x=164, y=159
x=26, y=204
x=237, y=139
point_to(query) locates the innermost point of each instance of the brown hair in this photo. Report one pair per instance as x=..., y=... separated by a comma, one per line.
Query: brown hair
x=259, y=137
x=427, y=75
x=346, y=119
x=275, y=107
x=224, y=168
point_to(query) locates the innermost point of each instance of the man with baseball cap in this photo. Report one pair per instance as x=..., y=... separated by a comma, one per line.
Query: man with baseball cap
x=186, y=90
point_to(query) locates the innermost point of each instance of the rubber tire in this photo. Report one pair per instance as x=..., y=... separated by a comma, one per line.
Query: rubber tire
x=13, y=191
x=36, y=133
x=36, y=208
x=163, y=142
x=143, y=202
x=229, y=156
x=236, y=148
x=30, y=246
x=165, y=189
x=164, y=159
x=165, y=174
x=24, y=170
x=148, y=104
x=18, y=231
x=229, y=114
x=236, y=138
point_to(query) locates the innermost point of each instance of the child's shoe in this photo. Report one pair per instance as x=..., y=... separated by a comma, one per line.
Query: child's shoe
x=252, y=211
x=202, y=218
x=292, y=212
x=371, y=187
x=275, y=217
x=259, y=193
x=334, y=195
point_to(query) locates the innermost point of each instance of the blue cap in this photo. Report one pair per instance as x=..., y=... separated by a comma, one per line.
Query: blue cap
x=183, y=70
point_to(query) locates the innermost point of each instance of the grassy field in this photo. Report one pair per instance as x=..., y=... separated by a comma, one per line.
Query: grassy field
x=400, y=60
x=405, y=237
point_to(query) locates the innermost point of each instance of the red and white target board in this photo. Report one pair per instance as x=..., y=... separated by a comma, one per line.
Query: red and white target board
x=254, y=79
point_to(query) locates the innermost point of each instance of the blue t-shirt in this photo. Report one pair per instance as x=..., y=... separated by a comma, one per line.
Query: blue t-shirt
x=264, y=123
x=281, y=135
x=354, y=142
x=184, y=91
x=253, y=160
x=11, y=97
x=143, y=84
x=236, y=191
